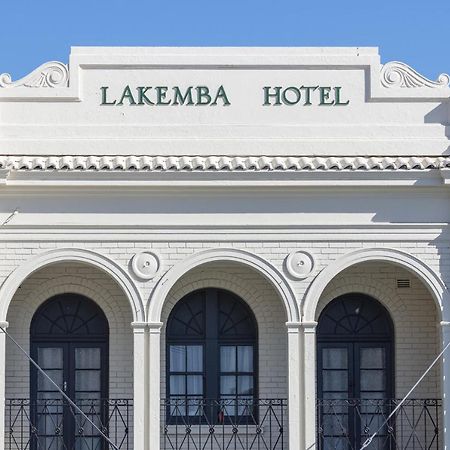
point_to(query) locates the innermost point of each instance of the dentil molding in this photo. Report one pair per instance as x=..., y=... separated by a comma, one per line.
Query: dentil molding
x=220, y=163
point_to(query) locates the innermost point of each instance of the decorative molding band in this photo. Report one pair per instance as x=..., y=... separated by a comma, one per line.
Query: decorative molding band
x=49, y=75
x=398, y=74
x=218, y=163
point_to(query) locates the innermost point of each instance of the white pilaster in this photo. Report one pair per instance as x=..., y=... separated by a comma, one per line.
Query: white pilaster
x=309, y=413
x=4, y=325
x=296, y=384
x=140, y=383
x=154, y=387
x=445, y=327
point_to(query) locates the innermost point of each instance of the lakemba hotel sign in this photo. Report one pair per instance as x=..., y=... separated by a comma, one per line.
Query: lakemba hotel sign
x=218, y=96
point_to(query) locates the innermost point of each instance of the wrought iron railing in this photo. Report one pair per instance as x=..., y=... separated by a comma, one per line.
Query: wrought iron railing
x=53, y=424
x=232, y=424
x=347, y=424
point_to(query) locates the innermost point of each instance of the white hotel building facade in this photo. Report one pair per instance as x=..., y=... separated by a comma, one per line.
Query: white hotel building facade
x=224, y=248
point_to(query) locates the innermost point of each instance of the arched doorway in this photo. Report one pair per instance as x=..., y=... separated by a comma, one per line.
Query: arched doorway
x=211, y=357
x=69, y=340
x=355, y=370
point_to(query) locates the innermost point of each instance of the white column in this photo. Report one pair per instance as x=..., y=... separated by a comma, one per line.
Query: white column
x=140, y=383
x=445, y=388
x=154, y=387
x=310, y=371
x=296, y=432
x=4, y=325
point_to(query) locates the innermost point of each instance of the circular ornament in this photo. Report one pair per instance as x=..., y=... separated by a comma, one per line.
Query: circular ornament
x=299, y=264
x=145, y=265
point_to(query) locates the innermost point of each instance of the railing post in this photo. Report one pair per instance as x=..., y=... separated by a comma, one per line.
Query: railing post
x=310, y=371
x=296, y=432
x=445, y=385
x=4, y=325
x=154, y=387
x=140, y=383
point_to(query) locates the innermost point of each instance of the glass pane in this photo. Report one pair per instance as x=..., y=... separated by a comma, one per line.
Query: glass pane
x=334, y=358
x=245, y=358
x=245, y=385
x=372, y=380
x=50, y=443
x=194, y=406
x=194, y=358
x=335, y=424
x=372, y=358
x=177, y=358
x=45, y=385
x=194, y=385
x=335, y=443
x=245, y=406
x=87, y=358
x=177, y=406
x=335, y=380
x=50, y=358
x=88, y=443
x=177, y=384
x=228, y=358
x=87, y=380
x=227, y=385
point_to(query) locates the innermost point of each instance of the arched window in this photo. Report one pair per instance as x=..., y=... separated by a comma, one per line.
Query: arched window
x=211, y=353
x=69, y=340
x=355, y=370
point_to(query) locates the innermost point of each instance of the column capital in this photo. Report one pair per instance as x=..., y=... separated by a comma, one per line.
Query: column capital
x=296, y=327
x=139, y=327
x=154, y=327
x=4, y=324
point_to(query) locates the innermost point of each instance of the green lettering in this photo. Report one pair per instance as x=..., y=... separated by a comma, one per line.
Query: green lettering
x=142, y=97
x=325, y=95
x=308, y=90
x=267, y=95
x=222, y=95
x=295, y=99
x=161, y=92
x=179, y=99
x=203, y=97
x=127, y=95
x=337, y=93
x=104, y=102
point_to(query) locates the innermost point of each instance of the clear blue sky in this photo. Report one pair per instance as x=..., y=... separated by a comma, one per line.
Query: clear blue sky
x=415, y=32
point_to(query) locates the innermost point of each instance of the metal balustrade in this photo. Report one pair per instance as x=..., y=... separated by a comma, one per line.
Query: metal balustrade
x=345, y=424
x=53, y=424
x=231, y=424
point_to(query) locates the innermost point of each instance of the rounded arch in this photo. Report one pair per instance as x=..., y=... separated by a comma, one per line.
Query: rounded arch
x=18, y=276
x=282, y=287
x=430, y=279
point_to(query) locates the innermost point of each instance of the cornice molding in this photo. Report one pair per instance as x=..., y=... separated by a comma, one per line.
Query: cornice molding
x=137, y=163
x=398, y=74
x=49, y=75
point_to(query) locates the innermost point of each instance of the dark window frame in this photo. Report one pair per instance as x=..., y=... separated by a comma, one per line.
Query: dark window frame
x=68, y=342
x=353, y=342
x=211, y=342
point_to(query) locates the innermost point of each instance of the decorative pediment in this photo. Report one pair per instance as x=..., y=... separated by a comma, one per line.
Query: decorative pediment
x=398, y=74
x=49, y=75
